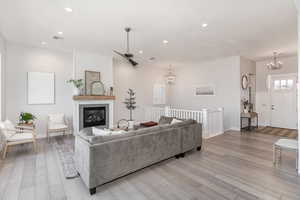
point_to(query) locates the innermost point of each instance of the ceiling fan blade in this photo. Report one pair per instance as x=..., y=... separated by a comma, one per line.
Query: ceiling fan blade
x=132, y=62
x=120, y=54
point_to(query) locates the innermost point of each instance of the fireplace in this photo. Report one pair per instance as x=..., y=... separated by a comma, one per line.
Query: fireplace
x=93, y=115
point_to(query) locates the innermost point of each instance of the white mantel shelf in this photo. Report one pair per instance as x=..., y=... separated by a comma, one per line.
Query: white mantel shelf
x=91, y=97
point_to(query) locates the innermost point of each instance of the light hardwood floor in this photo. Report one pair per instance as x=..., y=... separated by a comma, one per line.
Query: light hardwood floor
x=231, y=166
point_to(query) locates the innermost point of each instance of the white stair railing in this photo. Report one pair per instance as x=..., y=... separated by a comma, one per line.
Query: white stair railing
x=211, y=120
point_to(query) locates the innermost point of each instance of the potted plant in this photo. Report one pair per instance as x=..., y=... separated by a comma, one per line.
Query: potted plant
x=26, y=118
x=130, y=105
x=78, y=84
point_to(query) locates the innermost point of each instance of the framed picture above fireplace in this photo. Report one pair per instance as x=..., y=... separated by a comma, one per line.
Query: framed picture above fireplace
x=90, y=78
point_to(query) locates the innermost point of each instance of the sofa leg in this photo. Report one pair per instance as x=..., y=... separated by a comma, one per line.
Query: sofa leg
x=92, y=191
x=199, y=148
x=182, y=155
x=177, y=156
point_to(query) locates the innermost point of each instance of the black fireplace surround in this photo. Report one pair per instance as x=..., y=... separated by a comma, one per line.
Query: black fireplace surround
x=93, y=115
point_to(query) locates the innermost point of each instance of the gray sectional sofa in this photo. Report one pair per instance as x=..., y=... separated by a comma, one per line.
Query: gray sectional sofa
x=101, y=159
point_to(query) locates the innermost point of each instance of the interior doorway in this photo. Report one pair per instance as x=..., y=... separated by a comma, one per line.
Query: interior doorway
x=283, y=101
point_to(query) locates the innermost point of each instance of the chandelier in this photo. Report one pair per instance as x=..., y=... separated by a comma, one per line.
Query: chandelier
x=170, y=77
x=275, y=64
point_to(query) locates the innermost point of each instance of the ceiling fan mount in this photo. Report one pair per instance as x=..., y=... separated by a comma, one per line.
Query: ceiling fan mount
x=128, y=56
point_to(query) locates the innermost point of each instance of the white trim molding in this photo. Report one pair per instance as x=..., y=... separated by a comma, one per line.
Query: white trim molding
x=297, y=3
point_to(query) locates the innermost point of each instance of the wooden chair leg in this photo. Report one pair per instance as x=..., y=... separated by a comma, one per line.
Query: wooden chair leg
x=34, y=146
x=279, y=154
x=5, y=151
x=274, y=155
x=48, y=135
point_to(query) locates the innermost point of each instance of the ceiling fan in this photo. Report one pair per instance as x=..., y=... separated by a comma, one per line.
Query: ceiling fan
x=128, y=56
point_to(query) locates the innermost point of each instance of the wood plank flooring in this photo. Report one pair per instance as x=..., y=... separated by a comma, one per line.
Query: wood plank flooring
x=232, y=166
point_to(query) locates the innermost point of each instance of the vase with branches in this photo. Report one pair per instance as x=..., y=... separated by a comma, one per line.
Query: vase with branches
x=130, y=103
x=78, y=84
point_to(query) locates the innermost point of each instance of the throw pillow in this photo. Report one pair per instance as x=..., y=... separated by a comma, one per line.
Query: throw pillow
x=100, y=132
x=175, y=121
x=165, y=120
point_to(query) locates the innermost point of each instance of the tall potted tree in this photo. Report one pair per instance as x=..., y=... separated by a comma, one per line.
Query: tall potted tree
x=130, y=105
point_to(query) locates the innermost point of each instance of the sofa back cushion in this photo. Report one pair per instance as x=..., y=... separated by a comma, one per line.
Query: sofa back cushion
x=165, y=120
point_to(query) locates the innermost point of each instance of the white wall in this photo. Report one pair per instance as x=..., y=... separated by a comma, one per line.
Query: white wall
x=298, y=9
x=20, y=60
x=290, y=65
x=141, y=79
x=2, y=75
x=223, y=73
x=93, y=61
x=65, y=65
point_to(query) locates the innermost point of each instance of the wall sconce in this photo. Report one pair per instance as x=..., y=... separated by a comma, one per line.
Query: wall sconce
x=170, y=77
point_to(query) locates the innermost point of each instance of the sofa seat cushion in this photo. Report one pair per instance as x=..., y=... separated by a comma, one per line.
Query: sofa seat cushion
x=20, y=137
x=146, y=130
x=105, y=138
x=55, y=126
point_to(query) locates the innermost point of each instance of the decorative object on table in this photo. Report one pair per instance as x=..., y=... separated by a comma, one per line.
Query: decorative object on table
x=123, y=124
x=130, y=105
x=78, y=84
x=170, y=77
x=26, y=118
x=244, y=82
x=56, y=123
x=97, y=88
x=149, y=124
x=14, y=135
x=90, y=78
x=205, y=90
x=247, y=106
x=276, y=64
x=40, y=88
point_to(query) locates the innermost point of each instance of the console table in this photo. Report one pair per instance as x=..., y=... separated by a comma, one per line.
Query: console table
x=249, y=116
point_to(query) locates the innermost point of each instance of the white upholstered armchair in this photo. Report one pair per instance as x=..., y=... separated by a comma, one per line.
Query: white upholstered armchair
x=14, y=135
x=57, y=123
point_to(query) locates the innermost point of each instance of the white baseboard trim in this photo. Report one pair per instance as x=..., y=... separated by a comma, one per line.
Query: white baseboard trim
x=213, y=135
x=43, y=136
x=233, y=129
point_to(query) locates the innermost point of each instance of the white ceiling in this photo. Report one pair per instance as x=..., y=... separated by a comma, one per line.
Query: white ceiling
x=251, y=28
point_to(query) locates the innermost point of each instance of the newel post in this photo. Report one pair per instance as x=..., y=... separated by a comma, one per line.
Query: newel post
x=222, y=119
x=167, y=111
x=205, y=123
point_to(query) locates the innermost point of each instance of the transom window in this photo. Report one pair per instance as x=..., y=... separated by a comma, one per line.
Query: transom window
x=283, y=84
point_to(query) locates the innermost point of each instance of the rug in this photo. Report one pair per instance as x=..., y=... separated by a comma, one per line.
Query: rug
x=282, y=132
x=66, y=156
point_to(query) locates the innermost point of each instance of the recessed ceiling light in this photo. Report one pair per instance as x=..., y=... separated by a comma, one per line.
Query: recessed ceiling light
x=59, y=32
x=165, y=41
x=141, y=52
x=67, y=9
x=204, y=25
x=43, y=43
